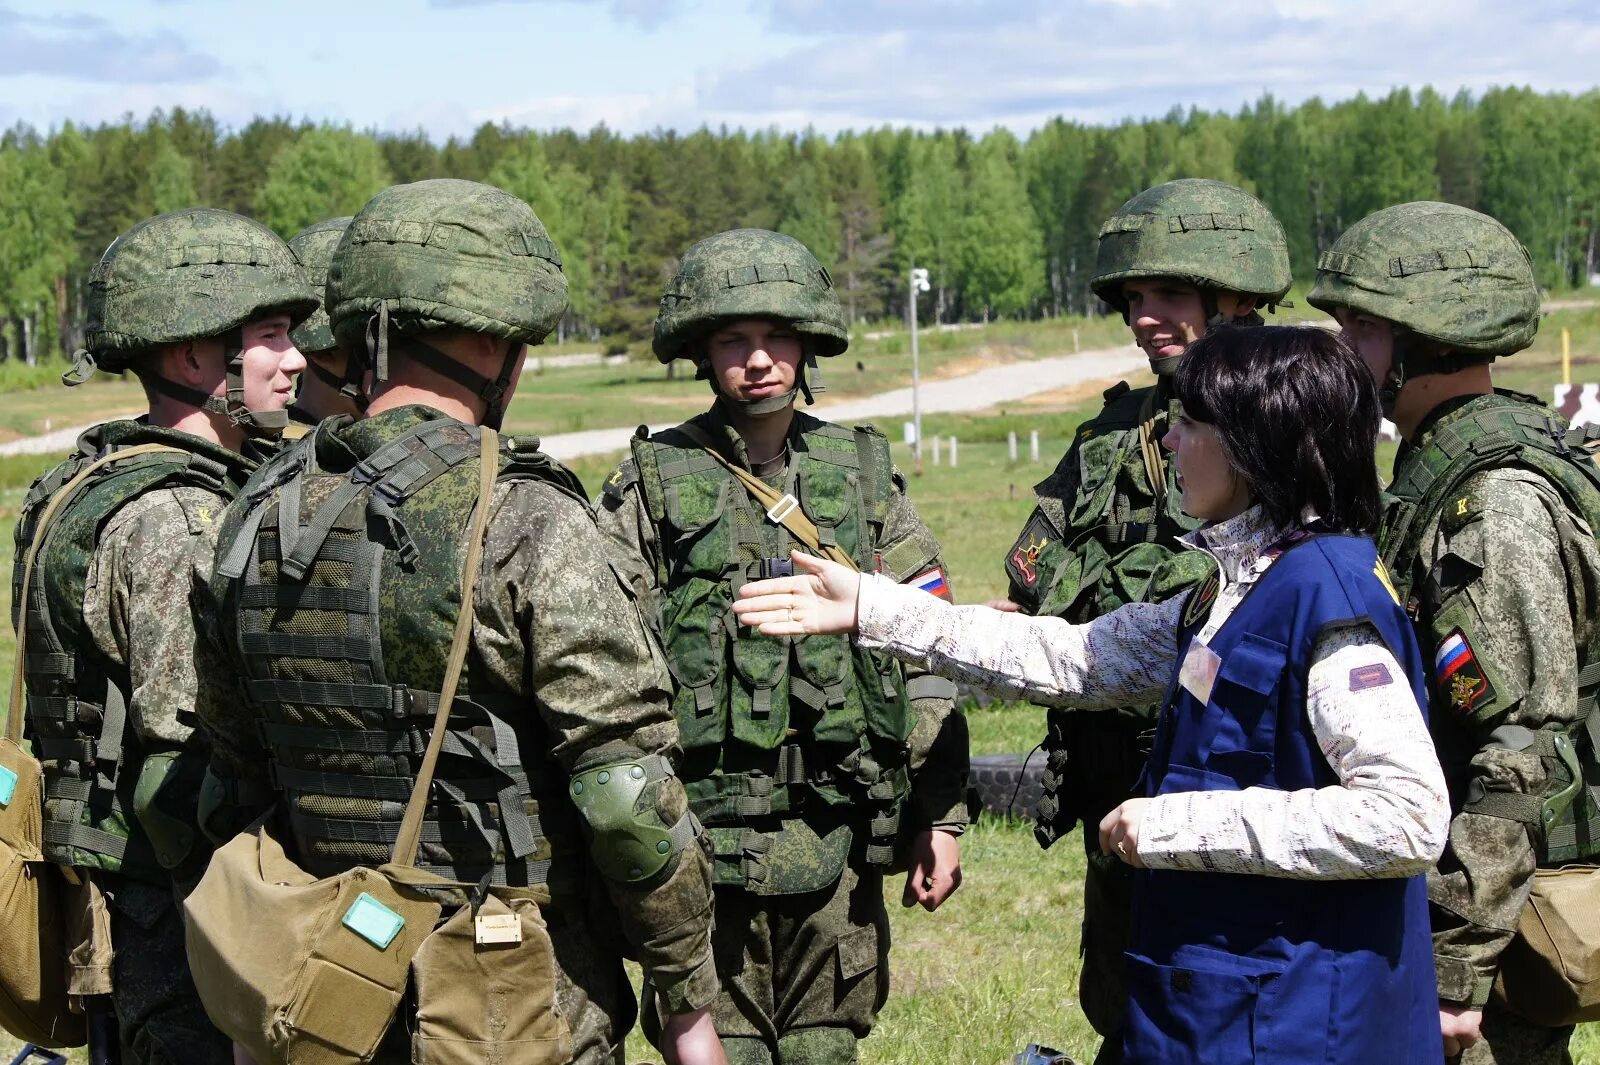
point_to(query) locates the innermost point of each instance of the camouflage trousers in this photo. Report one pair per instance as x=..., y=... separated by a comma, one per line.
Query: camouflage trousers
x=1107, y=928
x=802, y=976
x=160, y=1020
x=1510, y=1040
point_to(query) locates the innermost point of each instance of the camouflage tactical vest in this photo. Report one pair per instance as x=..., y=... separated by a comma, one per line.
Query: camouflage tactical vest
x=1499, y=431
x=774, y=728
x=77, y=700
x=1115, y=544
x=343, y=589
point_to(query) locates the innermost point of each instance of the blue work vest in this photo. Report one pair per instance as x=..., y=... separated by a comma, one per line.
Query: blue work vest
x=1229, y=968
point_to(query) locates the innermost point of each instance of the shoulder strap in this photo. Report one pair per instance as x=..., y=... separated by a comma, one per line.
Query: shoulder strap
x=41, y=530
x=410, y=834
x=781, y=507
x=1155, y=467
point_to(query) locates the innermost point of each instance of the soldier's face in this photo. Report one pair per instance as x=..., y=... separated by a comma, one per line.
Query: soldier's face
x=1212, y=489
x=271, y=362
x=754, y=358
x=1166, y=316
x=1371, y=338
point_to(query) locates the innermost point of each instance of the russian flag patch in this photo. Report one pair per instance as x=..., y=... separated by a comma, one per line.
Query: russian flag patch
x=933, y=582
x=1459, y=676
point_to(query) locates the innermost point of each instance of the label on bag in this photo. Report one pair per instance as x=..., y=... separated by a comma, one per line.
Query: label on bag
x=490, y=929
x=8, y=785
x=373, y=921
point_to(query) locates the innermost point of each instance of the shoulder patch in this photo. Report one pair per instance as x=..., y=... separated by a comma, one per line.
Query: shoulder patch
x=1198, y=607
x=1116, y=391
x=934, y=583
x=621, y=478
x=1023, y=563
x=201, y=515
x=1460, y=510
x=1376, y=675
x=1459, y=676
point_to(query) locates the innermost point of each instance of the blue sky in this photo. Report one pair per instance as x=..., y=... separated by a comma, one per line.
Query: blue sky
x=446, y=66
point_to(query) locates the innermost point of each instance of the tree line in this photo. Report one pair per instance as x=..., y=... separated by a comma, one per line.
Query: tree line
x=1006, y=226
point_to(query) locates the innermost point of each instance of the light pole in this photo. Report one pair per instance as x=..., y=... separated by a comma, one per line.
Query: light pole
x=919, y=283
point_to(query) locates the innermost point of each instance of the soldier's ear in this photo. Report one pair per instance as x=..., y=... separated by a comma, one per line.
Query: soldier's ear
x=1246, y=306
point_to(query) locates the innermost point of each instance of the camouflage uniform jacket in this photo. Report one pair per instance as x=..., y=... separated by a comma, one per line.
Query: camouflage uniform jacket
x=1505, y=588
x=136, y=612
x=554, y=626
x=938, y=756
x=1098, y=538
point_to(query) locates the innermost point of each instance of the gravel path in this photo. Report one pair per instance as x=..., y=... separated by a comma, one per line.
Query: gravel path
x=968, y=392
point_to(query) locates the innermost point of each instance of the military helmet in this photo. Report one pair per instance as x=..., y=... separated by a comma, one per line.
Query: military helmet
x=195, y=274
x=1443, y=272
x=188, y=275
x=313, y=247
x=442, y=253
x=749, y=273
x=1207, y=233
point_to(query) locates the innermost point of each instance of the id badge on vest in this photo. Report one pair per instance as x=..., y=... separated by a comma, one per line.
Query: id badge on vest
x=1198, y=674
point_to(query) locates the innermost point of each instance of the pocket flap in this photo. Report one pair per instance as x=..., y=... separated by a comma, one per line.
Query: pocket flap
x=858, y=952
x=1257, y=663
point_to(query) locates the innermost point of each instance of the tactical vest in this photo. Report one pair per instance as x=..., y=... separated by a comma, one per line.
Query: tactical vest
x=1120, y=534
x=773, y=726
x=78, y=700
x=344, y=586
x=1501, y=431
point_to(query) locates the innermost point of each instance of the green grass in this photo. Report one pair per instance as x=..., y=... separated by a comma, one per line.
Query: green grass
x=996, y=968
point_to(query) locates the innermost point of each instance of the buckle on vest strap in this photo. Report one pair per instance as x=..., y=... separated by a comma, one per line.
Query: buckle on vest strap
x=782, y=509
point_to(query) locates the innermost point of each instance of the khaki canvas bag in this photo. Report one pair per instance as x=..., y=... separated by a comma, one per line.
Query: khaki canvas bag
x=306, y=971
x=1550, y=973
x=38, y=929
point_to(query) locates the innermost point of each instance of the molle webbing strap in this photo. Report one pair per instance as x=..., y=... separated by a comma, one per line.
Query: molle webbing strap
x=41, y=531
x=409, y=836
x=780, y=508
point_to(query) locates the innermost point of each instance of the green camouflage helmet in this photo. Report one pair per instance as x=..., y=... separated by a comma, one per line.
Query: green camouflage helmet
x=1443, y=272
x=194, y=274
x=188, y=275
x=749, y=273
x=1207, y=233
x=313, y=247
x=441, y=254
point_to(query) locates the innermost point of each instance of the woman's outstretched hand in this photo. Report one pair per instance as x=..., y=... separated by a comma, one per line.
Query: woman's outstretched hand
x=820, y=598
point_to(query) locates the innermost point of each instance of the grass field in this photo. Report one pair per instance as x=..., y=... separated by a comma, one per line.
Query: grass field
x=997, y=967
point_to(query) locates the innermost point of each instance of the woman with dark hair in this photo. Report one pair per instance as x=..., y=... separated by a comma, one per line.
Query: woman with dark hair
x=1292, y=800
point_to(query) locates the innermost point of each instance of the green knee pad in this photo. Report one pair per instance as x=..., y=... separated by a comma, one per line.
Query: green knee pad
x=816, y=1046
x=745, y=1050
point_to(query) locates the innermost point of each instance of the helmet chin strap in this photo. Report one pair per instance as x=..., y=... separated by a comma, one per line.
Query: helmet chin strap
x=1394, y=382
x=348, y=386
x=257, y=424
x=808, y=383
x=492, y=390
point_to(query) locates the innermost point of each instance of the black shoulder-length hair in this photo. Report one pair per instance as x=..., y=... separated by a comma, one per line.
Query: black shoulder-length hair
x=1297, y=414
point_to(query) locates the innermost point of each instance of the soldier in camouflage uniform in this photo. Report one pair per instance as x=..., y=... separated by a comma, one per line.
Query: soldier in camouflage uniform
x=198, y=305
x=328, y=386
x=806, y=761
x=1175, y=260
x=442, y=285
x=1489, y=538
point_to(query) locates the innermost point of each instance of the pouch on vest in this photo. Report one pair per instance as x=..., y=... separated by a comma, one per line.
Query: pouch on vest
x=322, y=986
x=693, y=618
x=1550, y=972
x=486, y=989
x=34, y=1002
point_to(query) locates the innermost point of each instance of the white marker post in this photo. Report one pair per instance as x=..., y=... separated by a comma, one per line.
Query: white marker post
x=952, y=452
x=1011, y=444
x=1033, y=445
x=919, y=283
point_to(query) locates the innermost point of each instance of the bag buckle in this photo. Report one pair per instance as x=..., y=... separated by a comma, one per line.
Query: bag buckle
x=782, y=508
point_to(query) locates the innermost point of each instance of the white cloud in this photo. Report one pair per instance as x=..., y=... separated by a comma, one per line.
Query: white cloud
x=83, y=47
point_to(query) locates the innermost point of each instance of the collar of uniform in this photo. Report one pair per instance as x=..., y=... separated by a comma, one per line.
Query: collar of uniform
x=1239, y=544
x=348, y=444
x=720, y=428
